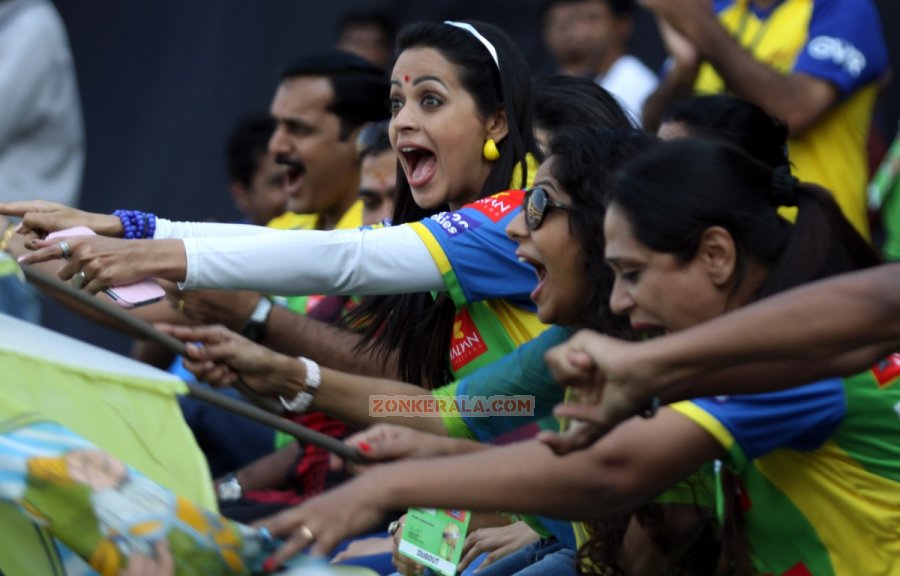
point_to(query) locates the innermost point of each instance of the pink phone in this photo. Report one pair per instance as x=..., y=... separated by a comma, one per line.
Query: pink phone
x=128, y=296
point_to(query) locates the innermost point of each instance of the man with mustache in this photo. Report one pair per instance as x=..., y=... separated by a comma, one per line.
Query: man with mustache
x=319, y=108
x=322, y=103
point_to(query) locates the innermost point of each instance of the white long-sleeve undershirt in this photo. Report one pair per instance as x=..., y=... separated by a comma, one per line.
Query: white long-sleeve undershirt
x=167, y=229
x=390, y=260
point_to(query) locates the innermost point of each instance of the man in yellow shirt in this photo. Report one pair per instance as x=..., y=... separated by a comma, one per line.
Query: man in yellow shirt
x=321, y=104
x=815, y=64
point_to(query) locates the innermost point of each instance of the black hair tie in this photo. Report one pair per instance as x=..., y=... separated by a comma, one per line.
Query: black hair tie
x=784, y=187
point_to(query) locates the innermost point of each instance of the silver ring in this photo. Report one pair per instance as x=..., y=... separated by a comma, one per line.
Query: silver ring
x=307, y=533
x=78, y=280
x=66, y=253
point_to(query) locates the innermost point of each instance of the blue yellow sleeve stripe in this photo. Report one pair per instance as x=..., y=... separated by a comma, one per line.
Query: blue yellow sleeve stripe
x=706, y=421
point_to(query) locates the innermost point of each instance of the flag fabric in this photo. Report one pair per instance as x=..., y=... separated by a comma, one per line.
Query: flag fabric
x=99, y=510
x=120, y=406
x=99, y=474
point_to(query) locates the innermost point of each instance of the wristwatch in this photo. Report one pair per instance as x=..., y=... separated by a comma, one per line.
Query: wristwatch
x=229, y=489
x=255, y=328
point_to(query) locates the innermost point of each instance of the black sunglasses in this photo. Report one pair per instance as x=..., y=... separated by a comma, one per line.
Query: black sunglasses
x=537, y=202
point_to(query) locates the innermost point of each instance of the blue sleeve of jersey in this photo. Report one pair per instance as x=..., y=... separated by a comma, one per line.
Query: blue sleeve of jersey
x=480, y=254
x=845, y=45
x=519, y=373
x=799, y=418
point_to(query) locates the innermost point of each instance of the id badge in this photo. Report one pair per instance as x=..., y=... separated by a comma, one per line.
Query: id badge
x=435, y=538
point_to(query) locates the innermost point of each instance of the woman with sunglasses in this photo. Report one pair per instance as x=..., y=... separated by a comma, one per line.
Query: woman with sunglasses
x=692, y=232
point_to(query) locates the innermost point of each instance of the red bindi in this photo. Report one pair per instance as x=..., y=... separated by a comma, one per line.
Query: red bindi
x=406, y=78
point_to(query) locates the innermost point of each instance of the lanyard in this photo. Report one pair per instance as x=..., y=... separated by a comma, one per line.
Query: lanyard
x=742, y=26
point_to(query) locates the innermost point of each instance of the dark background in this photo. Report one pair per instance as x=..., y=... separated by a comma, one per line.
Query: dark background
x=163, y=81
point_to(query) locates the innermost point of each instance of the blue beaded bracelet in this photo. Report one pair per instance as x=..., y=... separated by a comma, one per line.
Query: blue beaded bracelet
x=125, y=219
x=137, y=224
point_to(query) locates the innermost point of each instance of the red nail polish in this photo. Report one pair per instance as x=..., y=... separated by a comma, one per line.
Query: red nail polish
x=365, y=447
x=270, y=565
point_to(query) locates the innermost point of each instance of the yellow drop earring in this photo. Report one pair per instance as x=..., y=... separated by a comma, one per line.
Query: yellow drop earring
x=490, y=151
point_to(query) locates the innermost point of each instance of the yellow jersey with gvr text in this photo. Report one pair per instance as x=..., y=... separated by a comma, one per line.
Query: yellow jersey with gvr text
x=839, y=41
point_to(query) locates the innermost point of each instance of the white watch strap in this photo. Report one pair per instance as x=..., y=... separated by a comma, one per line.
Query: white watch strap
x=261, y=312
x=300, y=403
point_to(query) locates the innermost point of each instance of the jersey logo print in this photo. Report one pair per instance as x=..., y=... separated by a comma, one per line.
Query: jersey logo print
x=499, y=205
x=887, y=371
x=839, y=52
x=453, y=223
x=466, y=343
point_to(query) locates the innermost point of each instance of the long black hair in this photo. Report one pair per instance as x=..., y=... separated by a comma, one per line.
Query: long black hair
x=565, y=101
x=732, y=120
x=418, y=326
x=674, y=193
x=584, y=162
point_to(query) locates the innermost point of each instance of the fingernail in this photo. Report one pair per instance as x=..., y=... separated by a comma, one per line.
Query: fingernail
x=365, y=447
x=270, y=565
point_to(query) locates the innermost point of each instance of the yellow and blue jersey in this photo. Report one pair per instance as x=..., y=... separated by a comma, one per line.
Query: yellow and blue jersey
x=819, y=468
x=519, y=373
x=839, y=41
x=489, y=286
x=524, y=373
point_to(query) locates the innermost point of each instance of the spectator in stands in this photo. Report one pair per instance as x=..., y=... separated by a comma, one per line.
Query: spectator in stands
x=378, y=178
x=817, y=66
x=256, y=179
x=589, y=38
x=41, y=132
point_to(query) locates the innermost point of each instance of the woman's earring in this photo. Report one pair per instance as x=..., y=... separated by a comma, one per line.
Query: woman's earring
x=490, y=152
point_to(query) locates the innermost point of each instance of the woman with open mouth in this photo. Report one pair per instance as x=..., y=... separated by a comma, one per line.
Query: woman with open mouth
x=462, y=130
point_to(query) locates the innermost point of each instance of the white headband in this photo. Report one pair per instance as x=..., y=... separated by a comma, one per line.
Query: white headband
x=471, y=30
